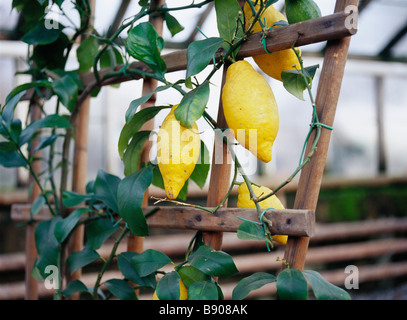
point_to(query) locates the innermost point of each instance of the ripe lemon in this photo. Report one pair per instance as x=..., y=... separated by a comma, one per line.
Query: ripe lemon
x=250, y=109
x=279, y=61
x=182, y=289
x=244, y=201
x=178, y=150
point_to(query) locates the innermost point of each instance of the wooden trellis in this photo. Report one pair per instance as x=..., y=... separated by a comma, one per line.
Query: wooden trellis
x=298, y=222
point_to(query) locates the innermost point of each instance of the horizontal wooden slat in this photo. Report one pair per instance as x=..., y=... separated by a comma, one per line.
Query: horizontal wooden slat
x=288, y=222
x=303, y=33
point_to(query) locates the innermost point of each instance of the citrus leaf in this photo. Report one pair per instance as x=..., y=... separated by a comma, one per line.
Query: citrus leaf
x=105, y=189
x=292, y=285
x=134, y=125
x=97, y=232
x=86, y=53
x=190, y=275
x=294, y=83
x=203, y=290
x=211, y=262
x=131, y=157
x=168, y=286
x=323, y=290
x=80, y=259
x=66, y=89
x=130, y=194
x=41, y=35
x=199, y=53
x=63, y=228
x=121, y=289
x=251, y=283
x=172, y=24
x=23, y=87
x=129, y=272
x=227, y=13
x=74, y=286
x=250, y=231
x=149, y=261
x=192, y=105
x=144, y=44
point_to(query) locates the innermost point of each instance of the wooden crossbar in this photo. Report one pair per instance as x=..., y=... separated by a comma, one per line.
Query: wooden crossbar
x=287, y=222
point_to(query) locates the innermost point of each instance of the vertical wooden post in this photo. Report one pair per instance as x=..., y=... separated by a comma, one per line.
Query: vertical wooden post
x=220, y=174
x=381, y=150
x=31, y=284
x=80, y=166
x=326, y=101
x=135, y=243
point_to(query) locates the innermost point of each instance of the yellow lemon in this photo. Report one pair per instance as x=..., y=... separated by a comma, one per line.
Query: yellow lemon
x=279, y=61
x=178, y=150
x=250, y=109
x=182, y=289
x=244, y=201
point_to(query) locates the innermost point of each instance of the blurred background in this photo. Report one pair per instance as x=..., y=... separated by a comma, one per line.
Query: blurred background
x=366, y=170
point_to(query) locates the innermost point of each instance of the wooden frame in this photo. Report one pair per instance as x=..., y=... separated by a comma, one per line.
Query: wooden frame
x=297, y=223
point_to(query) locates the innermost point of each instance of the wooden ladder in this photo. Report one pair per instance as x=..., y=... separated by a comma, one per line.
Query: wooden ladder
x=298, y=222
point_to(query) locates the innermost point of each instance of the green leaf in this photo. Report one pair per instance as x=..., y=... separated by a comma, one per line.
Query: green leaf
x=37, y=204
x=211, y=262
x=251, y=283
x=128, y=270
x=11, y=102
x=11, y=159
x=172, y=24
x=46, y=141
x=190, y=275
x=121, y=289
x=144, y=44
x=110, y=57
x=131, y=157
x=52, y=56
x=86, y=53
x=97, y=232
x=199, y=53
x=130, y=194
x=250, y=231
x=71, y=199
x=47, y=245
x=74, y=286
x=192, y=105
x=23, y=88
x=80, y=259
x=66, y=89
x=63, y=228
x=53, y=121
x=227, y=13
x=40, y=35
x=203, y=290
x=292, y=285
x=323, y=290
x=201, y=170
x=294, y=82
x=168, y=287
x=149, y=261
x=105, y=189
x=138, y=102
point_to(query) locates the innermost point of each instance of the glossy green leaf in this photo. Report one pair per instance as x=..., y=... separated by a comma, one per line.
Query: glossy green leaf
x=200, y=173
x=130, y=194
x=227, y=13
x=11, y=159
x=110, y=57
x=132, y=154
x=190, y=275
x=64, y=228
x=168, y=287
x=80, y=259
x=74, y=286
x=37, y=204
x=200, y=53
x=149, y=261
x=294, y=82
x=250, y=231
x=121, y=289
x=192, y=105
x=86, y=53
x=211, y=262
x=128, y=270
x=144, y=44
x=71, y=199
x=251, y=283
x=292, y=285
x=46, y=142
x=324, y=290
x=203, y=290
x=172, y=24
x=66, y=89
x=47, y=245
x=54, y=121
x=98, y=231
x=21, y=89
x=105, y=189
x=41, y=35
